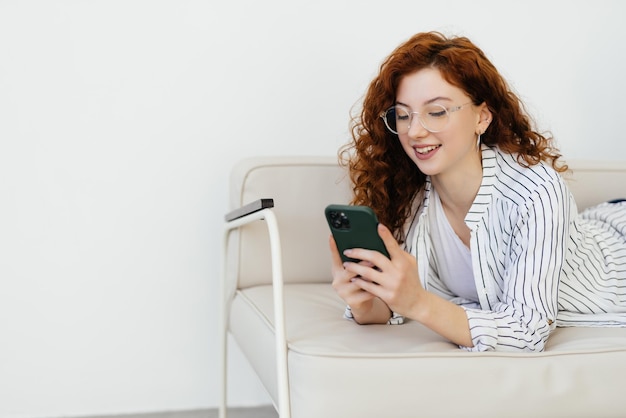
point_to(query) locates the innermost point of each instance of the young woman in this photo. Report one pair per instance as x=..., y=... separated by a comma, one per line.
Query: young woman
x=486, y=245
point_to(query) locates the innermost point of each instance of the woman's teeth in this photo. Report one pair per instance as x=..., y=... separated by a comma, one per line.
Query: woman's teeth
x=426, y=150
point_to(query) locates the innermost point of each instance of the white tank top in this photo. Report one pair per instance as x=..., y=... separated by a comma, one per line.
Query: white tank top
x=454, y=259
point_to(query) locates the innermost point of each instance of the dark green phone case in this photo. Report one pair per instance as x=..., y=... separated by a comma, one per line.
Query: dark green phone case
x=354, y=227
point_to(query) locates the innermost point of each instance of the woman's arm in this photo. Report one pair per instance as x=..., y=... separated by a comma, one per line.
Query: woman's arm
x=396, y=282
x=523, y=315
x=523, y=301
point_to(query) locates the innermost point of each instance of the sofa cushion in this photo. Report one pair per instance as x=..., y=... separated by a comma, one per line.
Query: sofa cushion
x=579, y=373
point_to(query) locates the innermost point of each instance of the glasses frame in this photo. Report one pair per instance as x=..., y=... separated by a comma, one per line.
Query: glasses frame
x=448, y=111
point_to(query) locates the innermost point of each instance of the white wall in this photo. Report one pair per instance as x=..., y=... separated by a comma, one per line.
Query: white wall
x=119, y=123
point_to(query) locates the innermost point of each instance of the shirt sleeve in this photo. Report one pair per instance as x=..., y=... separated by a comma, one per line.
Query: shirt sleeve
x=396, y=319
x=526, y=311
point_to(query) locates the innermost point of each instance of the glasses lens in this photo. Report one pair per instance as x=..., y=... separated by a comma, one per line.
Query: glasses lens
x=434, y=118
x=397, y=119
x=390, y=119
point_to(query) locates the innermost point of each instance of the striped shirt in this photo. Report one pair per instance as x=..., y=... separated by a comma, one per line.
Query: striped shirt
x=536, y=261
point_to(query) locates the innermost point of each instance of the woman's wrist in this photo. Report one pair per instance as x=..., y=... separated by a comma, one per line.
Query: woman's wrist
x=374, y=311
x=421, y=311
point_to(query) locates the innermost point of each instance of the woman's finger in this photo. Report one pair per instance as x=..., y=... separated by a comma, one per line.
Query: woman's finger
x=393, y=248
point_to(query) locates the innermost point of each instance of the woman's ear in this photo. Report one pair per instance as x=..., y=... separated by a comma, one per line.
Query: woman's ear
x=484, y=119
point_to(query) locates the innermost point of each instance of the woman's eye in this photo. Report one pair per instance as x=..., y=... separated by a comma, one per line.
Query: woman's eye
x=437, y=113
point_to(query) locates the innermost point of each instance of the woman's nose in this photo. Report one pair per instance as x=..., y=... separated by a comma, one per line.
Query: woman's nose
x=416, y=129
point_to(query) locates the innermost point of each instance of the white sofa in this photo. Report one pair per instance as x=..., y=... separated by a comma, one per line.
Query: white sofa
x=315, y=364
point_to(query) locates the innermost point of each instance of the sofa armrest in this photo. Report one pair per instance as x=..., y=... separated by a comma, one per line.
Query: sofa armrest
x=255, y=206
x=255, y=211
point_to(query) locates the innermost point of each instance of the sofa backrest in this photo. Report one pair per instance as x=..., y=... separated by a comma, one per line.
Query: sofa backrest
x=593, y=182
x=303, y=186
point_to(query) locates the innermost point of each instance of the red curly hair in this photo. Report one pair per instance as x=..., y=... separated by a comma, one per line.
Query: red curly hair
x=382, y=175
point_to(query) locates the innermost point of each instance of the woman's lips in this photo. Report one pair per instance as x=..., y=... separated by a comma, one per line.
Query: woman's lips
x=424, y=153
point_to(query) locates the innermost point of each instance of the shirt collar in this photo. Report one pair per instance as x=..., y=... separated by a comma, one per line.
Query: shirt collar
x=483, y=197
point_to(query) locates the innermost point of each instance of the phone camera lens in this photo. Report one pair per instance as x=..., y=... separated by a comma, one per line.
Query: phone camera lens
x=339, y=220
x=335, y=220
x=344, y=221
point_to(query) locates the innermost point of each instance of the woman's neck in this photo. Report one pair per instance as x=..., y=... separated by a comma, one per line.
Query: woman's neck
x=458, y=189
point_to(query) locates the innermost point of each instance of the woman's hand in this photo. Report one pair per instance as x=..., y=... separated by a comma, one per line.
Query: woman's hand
x=378, y=284
x=366, y=308
x=394, y=280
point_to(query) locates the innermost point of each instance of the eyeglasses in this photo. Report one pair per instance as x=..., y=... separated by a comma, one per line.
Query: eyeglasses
x=434, y=117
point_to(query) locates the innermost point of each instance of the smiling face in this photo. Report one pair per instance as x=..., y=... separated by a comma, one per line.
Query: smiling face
x=453, y=149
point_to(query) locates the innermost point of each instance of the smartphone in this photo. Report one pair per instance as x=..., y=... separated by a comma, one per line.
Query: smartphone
x=354, y=227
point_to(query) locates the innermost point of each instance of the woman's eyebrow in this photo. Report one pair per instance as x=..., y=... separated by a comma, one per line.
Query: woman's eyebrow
x=427, y=102
x=435, y=99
